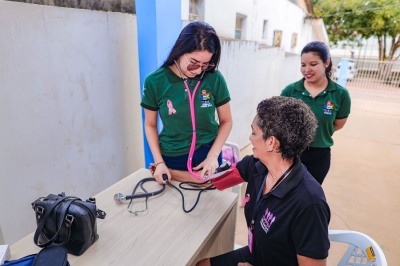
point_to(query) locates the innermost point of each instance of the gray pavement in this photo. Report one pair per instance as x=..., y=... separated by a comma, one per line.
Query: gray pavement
x=363, y=185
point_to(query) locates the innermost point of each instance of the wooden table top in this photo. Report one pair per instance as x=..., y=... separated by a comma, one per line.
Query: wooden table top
x=165, y=235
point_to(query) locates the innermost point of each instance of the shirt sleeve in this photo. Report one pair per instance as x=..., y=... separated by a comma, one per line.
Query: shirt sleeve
x=149, y=100
x=246, y=167
x=288, y=91
x=345, y=106
x=310, y=232
x=222, y=95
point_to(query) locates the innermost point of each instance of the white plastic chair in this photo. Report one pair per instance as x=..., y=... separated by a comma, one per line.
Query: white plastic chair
x=362, y=249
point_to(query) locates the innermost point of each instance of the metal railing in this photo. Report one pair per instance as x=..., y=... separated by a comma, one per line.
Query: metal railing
x=373, y=79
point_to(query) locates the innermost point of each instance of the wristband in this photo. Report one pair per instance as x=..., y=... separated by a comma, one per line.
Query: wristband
x=153, y=166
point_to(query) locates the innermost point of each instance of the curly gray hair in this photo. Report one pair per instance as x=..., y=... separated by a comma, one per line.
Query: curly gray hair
x=289, y=120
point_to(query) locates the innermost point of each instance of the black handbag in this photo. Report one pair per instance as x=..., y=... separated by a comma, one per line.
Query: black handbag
x=66, y=221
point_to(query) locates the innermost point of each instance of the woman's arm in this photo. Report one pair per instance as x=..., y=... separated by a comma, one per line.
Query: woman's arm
x=210, y=164
x=150, y=126
x=339, y=123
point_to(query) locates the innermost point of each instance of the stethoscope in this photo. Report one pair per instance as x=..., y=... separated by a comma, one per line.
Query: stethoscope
x=146, y=194
x=191, y=97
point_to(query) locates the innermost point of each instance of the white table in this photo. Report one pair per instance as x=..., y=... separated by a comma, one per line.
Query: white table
x=166, y=235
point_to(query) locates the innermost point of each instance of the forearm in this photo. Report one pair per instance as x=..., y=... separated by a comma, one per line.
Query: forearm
x=153, y=141
x=306, y=261
x=339, y=123
x=223, y=133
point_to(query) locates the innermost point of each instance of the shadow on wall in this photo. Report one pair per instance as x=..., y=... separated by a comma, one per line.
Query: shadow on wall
x=123, y=6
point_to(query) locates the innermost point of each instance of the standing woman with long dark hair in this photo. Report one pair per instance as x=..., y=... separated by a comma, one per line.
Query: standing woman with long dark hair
x=329, y=101
x=192, y=99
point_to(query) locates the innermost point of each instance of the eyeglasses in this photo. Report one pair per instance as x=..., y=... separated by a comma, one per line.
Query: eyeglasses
x=193, y=67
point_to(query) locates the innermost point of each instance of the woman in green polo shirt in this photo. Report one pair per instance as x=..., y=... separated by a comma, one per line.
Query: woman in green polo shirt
x=188, y=88
x=329, y=101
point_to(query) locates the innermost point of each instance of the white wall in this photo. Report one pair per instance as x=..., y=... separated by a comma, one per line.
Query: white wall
x=253, y=74
x=69, y=106
x=281, y=15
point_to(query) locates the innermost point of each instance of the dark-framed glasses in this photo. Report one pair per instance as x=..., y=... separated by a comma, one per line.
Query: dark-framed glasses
x=193, y=67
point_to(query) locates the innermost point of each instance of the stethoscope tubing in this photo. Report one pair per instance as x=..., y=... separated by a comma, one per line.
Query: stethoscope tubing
x=193, y=117
x=194, y=135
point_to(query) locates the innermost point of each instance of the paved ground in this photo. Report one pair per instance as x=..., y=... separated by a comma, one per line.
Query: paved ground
x=363, y=185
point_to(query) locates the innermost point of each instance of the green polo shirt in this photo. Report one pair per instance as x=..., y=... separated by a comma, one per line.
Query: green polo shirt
x=166, y=93
x=332, y=103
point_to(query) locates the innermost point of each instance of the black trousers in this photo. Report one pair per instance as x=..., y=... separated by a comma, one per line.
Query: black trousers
x=317, y=161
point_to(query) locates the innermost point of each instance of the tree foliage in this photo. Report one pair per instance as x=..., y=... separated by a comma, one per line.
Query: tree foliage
x=353, y=20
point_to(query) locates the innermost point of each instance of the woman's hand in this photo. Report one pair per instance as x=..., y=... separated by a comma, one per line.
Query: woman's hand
x=208, y=166
x=160, y=170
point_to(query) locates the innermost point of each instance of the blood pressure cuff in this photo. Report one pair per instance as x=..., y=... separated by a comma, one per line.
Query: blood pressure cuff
x=228, y=179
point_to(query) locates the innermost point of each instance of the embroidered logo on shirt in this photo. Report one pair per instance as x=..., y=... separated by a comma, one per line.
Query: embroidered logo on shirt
x=171, y=109
x=205, y=98
x=267, y=220
x=328, y=108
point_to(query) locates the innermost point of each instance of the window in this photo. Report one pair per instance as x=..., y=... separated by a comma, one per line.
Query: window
x=294, y=40
x=265, y=30
x=196, y=10
x=277, y=38
x=240, y=26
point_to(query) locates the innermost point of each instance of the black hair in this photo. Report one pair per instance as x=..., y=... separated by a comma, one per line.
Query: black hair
x=289, y=120
x=322, y=50
x=196, y=36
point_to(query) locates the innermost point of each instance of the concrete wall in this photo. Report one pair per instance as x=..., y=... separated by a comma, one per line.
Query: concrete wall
x=253, y=74
x=69, y=106
x=124, y=6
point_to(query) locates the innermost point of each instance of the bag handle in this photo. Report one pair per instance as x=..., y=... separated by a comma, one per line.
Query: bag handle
x=63, y=213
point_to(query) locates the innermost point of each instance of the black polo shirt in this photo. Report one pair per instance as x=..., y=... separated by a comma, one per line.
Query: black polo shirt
x=291, y=220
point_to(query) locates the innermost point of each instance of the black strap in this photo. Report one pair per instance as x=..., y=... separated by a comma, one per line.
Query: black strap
x=259, y=199
x=44, y=218
x=63, y=214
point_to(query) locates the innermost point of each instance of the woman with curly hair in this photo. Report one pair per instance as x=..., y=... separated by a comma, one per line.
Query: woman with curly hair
x=286, y=210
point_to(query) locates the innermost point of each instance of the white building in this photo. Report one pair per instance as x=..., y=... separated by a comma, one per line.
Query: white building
x=285, y=23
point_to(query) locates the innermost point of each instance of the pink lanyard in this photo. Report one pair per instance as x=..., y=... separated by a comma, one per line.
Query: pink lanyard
x=193, y=116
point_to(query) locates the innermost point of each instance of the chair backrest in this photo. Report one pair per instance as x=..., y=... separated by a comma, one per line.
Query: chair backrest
x=362, y=250
x=230, y=152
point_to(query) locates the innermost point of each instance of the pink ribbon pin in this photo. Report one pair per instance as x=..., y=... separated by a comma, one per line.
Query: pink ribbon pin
x=171, y=109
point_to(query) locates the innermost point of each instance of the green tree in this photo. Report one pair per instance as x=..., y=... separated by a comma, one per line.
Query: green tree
x=353, y=20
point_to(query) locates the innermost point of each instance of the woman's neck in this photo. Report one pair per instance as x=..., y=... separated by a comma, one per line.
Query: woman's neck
x=315, y=88
x=275, y=172
x=174, y=68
